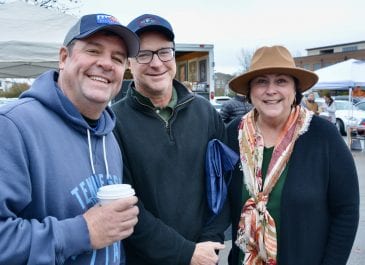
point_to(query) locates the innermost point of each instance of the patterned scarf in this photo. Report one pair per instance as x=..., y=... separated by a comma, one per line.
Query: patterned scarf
x=256, y=235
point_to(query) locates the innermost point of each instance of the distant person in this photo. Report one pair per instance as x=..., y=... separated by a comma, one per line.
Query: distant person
x=235, y=107
x=57, y=149
x=295, y=195
x=329, y=108
x=358, y=92
x=310, y=103
x=163, y=130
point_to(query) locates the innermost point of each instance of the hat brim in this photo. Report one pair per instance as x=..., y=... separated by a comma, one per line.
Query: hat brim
x=306, y=79
x=131, y=39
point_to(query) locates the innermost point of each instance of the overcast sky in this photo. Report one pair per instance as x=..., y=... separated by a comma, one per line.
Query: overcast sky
x=231, y=25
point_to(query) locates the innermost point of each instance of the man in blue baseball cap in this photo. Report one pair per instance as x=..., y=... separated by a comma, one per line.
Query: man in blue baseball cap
x=164, y=131
x=57, y=149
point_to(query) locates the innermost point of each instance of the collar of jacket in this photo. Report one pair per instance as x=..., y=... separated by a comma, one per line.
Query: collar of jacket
x=183, y=95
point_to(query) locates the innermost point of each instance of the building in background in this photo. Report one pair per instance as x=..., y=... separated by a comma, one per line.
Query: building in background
x=221, y=84
x=320, y=57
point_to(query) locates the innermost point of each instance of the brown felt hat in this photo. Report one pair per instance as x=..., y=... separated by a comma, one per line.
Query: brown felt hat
x=272, y=60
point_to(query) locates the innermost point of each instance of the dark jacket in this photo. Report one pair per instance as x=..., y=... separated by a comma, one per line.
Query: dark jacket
x=164, y=161
x=320, y=199
x=235, y=107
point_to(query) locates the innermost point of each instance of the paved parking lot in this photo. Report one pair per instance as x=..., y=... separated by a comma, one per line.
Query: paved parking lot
x=357, y=256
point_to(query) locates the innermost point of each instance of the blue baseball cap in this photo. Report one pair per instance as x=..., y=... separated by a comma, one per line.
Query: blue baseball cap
x=148, y=22
x=90, y=24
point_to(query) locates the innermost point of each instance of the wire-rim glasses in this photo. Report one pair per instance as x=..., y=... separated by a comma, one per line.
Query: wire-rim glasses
x=164, y=54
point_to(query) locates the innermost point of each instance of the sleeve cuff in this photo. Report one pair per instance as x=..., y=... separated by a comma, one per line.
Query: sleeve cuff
x=73, y=237
x=186, y=253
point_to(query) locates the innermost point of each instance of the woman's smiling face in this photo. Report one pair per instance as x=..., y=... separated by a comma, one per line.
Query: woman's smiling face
x=273, y=95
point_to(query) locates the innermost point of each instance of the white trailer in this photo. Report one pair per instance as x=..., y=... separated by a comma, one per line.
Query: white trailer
x=195, y=67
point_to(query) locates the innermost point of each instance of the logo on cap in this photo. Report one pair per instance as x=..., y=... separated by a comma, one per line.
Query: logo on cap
x=147, y=21
x=106, y=19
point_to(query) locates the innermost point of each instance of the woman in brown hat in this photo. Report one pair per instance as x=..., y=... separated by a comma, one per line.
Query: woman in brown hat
x=294, y=195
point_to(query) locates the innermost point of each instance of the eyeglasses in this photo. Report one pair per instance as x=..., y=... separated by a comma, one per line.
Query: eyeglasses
x=164, y=54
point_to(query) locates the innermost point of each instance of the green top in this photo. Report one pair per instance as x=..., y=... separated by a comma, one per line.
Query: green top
x=165, y=112
x=273, y=205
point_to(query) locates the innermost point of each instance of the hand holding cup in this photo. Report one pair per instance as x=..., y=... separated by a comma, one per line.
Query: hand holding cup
x=114, y=218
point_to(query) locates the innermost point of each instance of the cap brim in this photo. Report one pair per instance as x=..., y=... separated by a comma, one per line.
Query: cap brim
x=131, y=39
x=306, y=79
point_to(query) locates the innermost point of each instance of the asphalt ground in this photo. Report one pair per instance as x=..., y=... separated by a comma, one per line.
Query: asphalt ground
x=357, y=256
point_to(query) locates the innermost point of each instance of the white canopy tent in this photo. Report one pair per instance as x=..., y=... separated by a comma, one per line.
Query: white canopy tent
x=344, y=75
x=30, y=39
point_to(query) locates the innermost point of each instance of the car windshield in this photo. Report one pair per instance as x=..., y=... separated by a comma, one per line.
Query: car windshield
x=361, y=105
x=344, y=105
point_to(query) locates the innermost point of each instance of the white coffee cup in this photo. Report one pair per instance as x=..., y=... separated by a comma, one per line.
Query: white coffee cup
x=109, y=193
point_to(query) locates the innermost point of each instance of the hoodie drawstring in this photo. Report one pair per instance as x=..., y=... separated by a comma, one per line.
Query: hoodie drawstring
x=91, y=154
x=105, y=160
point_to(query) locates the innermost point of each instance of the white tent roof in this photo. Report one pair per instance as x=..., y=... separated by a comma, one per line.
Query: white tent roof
x=30, y=39
x=342, y=75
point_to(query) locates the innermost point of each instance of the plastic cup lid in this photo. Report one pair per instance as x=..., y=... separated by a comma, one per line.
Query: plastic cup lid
x=115, y=191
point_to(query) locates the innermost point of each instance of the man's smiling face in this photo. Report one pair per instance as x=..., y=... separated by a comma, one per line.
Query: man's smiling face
x=92, y=70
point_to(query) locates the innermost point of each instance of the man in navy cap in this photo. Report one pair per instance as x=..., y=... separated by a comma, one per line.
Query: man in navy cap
x=163, y=131
x=57, y=149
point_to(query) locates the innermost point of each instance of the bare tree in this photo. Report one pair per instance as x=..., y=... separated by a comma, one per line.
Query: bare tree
x=244, y=59
x=64, y=6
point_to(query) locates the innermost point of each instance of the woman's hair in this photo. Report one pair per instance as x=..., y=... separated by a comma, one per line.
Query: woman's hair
x=330, y=99
x=298, y=94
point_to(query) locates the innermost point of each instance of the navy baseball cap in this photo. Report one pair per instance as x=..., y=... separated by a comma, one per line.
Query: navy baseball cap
x=90, y=24
x=148, y=22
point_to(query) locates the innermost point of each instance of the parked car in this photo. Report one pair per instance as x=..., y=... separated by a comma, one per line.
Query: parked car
x=221, y=99
x=217, y=106
x=218, y=101
x=361, y=104
x=347, y=114
x=346, y=97
x=361, y=130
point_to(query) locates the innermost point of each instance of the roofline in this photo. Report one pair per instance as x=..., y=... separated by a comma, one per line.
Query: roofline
x=335, y=45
